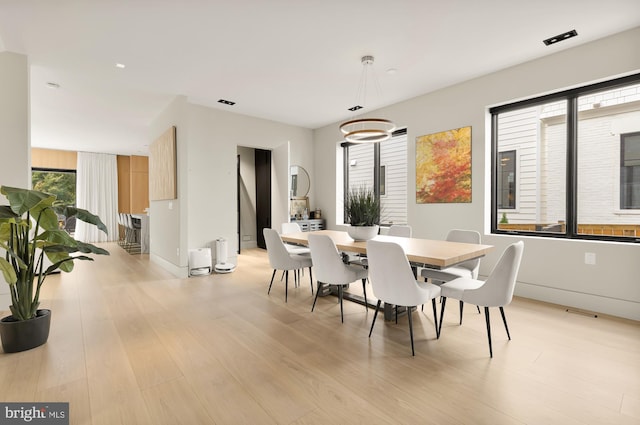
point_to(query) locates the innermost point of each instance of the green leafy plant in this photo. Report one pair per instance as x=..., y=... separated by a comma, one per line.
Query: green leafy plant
x=504, y=219
x=363, y=208
x=29, y=230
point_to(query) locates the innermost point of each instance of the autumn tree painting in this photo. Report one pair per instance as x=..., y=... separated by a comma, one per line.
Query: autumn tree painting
x=443, y=167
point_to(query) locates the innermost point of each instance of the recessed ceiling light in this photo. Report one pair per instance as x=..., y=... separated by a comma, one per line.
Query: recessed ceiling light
x=53, y=85
x=226, y=102
x=120, y=65
x=560, y=37
x=391, y=71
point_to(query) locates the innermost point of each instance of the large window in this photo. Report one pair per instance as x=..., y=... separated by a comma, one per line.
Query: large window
x=383, y=168
x=568, y=164
x=61, y=183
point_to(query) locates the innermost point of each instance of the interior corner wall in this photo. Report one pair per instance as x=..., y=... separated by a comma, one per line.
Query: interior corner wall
x=15, y=161
x=552, y=270
x=167, y=223
x=206, y=209
x=214, y=137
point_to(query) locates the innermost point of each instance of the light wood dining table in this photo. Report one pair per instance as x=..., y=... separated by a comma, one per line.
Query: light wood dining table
x=438, y=254
x=421, y=252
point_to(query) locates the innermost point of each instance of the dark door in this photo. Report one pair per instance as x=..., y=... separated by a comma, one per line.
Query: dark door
x=238, y=186
x=263, y=194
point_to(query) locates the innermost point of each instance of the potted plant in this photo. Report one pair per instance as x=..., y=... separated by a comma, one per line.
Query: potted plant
x=29, y=230
x=363, y=213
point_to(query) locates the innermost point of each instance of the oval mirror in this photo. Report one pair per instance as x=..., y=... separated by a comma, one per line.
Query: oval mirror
x=300, y=182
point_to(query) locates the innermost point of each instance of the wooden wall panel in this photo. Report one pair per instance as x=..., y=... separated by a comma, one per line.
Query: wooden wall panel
x=139, y=184
x=124, y=184
x=162, y=167
x=56, y=159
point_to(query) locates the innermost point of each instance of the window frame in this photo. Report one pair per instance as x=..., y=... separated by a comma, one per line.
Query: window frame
x=515, y=179
x=571, y=97
x=623, y=196
x=376, y=171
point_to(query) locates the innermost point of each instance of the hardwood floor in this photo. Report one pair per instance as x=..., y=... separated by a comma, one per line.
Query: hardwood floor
x=131, y=344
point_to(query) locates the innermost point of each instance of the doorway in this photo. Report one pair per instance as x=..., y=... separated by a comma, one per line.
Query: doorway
x=262, y=187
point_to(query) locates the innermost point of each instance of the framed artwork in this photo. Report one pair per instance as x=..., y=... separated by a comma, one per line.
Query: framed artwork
x=443, y=167
x=298, y=205
x=162, y=167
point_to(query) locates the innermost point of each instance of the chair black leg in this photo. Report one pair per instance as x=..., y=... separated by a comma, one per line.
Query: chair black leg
x=435, y=317
x=374, y=317
x=364, y=291
x=504, y=319
x=486, y=315
x=272, y=276
x=461, y=307
x=396, y=308
x=478, y=307
x=340, y=297
x=286, y=286
x=318, y=290
x=411, y=329
x=311, y=280
x=444, y=303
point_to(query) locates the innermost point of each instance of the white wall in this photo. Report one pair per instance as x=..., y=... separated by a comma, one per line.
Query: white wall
x=167, y=223
x=207, y=143
x=552, y=270
x=15, y=161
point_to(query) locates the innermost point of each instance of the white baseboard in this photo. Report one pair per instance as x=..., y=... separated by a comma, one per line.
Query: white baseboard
x=248, y=245
x=178, y=271
x=595, y=303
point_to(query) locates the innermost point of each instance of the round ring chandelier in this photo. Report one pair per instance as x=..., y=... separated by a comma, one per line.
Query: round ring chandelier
x=366, y=130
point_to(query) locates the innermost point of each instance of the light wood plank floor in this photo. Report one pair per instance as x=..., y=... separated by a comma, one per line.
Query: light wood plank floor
x=131, y=344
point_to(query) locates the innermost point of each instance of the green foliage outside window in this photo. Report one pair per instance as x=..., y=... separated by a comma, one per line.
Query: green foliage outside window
x=62, y=184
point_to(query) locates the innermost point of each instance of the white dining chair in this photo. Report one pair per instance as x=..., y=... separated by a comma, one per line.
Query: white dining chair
x=466, y=269
x=293, y=248
x=281, y=259
x=331, y=270
x=402, y=230
x=496, y=291
x=393, y=282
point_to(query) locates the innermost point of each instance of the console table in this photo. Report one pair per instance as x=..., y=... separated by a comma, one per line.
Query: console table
x=310, y=225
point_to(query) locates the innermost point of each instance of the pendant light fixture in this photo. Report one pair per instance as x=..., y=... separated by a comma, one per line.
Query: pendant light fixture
x=366, y=130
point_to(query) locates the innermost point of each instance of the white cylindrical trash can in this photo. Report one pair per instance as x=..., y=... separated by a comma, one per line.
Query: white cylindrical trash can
x=222, y=266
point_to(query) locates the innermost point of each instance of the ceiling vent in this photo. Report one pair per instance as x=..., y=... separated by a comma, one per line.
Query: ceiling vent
x=561, y=37
x=226, y=102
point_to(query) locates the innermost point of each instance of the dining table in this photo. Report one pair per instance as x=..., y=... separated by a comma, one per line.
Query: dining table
x=425, y=253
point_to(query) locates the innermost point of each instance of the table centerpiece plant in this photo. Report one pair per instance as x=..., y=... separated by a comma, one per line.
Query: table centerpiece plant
x=363, y=213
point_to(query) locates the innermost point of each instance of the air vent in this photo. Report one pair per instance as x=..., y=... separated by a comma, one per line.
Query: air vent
x=355, y=108
x=226, y=102
x=560, y=37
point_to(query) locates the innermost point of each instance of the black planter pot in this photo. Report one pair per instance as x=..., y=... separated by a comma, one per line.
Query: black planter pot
x=22, y=335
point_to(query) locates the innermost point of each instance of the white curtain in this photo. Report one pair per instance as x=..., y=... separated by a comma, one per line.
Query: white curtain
x=97, y=192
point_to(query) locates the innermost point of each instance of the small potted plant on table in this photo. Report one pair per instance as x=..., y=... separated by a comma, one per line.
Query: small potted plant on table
x=363, y=214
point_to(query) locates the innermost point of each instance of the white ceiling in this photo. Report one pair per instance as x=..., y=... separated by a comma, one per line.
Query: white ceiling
x=292, y=61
